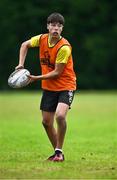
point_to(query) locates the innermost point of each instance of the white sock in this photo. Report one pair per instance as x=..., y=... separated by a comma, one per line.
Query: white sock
x=57, y=149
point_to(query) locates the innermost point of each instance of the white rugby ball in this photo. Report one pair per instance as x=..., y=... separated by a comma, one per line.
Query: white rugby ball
x=19, y=78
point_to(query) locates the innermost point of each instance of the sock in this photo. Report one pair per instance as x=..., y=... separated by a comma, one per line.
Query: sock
x=58, y=151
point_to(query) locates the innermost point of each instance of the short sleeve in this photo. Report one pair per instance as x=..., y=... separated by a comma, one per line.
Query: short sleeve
x=35, y=41
x=63, y=54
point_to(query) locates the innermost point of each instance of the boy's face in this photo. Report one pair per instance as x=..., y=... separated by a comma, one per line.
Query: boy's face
x=55, y=29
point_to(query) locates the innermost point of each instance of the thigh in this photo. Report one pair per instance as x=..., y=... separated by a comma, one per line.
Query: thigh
x=66, y=97
x=62, y=110
x=49, y=101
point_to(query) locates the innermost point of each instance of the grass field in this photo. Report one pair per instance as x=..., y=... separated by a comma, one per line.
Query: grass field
x=90, y=145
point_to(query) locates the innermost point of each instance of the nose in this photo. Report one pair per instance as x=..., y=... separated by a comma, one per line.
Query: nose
x=56, y=26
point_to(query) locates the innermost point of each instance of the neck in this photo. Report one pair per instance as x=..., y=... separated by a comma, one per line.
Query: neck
x=53, y=40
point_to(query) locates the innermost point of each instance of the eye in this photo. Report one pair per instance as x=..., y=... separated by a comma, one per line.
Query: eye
x=53, y=24
x=60, y=25
x=57, y=24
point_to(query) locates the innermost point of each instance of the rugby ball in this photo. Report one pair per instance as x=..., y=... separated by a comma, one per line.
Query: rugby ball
x=19, y=78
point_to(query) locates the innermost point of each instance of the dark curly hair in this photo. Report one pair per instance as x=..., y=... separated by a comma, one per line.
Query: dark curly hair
x=55, y=18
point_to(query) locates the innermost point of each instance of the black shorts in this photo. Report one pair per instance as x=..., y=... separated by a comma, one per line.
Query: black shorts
x=50, y=99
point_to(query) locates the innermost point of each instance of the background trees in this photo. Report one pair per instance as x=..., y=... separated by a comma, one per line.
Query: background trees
x=91, y=28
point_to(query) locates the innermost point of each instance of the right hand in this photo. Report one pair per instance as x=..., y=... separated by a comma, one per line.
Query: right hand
x=19, y=67
x=33, y=78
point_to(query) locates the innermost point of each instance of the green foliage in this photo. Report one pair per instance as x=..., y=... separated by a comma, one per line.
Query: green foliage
x=91, y=28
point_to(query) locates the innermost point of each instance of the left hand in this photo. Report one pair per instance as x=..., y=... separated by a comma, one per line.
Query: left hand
x=33, y=78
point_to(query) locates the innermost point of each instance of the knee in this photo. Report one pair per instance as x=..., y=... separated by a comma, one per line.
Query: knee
x=45, y=123
x=60, y=118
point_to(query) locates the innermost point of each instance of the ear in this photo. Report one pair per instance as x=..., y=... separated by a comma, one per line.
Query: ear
x=47, y=26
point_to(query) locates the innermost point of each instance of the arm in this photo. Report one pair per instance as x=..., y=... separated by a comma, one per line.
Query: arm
x=23, y=52
x=33, y=42
x=51, y=75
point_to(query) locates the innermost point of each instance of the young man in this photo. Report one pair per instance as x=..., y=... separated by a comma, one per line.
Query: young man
x=58, y=80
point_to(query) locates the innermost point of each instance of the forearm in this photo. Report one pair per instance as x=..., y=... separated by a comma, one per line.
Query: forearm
x=50, y=75
x=22, y=54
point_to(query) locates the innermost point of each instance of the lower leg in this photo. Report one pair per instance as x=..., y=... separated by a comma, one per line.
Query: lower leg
x=61, y=131
x=51, y=132
x=48, y=121
x=61, y=113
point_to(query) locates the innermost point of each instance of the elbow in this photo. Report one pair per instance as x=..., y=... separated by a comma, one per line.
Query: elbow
x=25, y=45
x=57, y=74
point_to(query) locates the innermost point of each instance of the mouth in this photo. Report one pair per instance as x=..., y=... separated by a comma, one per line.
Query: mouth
x=55, y=33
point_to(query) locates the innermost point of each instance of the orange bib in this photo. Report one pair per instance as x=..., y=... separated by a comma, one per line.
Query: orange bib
x=67, y=79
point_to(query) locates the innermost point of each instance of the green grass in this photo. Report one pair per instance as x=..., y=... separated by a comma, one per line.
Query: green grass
x=90, y=145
